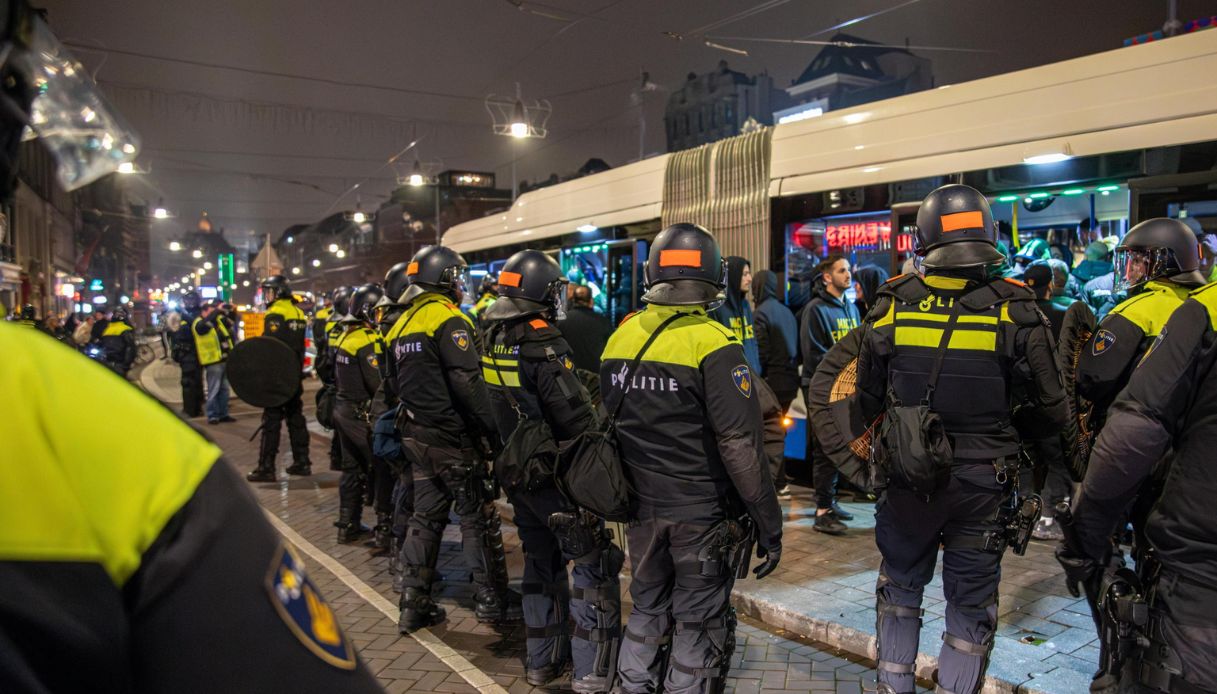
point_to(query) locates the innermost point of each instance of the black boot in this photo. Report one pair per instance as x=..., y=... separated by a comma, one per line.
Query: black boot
x=541, y=676
x=300, y=468
x=262, y=474
x=350, y=529
x=382, y=537
x=497, y=606
x=418, y=610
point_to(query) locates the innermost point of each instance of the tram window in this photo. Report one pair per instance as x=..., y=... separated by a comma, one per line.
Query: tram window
x=864, y=239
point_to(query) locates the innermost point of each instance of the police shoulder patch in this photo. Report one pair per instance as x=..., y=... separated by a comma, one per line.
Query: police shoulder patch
x=742, y=376
x=1103, y=340
x=461, y=338
x=373, y=361
x=306, y=613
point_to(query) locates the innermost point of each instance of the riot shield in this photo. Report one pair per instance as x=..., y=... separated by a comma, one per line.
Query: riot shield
x=263, y=371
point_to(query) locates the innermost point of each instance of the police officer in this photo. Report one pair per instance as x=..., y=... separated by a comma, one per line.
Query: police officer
x=386, y=312
x=448, y=432
x=212, y=343
x=143, y=563
x=690, y=436
x=529, y=371
x=287, y=323
x=1157, y=263
x=358, y=350
x=326, y=329
x=971, y=347
x=118, y=343
x=488, y=290
x=1165, y=411
x=185, y=353
x=28, y=317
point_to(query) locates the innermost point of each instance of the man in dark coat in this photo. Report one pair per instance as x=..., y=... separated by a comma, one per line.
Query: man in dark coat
x=777, y=334
x=827, y=318
x=735, y=313
x=586, y=331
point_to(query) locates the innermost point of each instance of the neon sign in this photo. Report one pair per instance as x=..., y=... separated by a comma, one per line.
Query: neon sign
x=864, y=235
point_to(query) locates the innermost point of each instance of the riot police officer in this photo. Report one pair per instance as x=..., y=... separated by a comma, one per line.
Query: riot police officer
x=946, y=359
x=529, y=371
x=326, y=328
x=358, y=350
x=118, y=343
x=287, y=323
x=690, y=435
x=186, y=354
x=28, y=317
x=1166, y=410
x=1157, y=263
x=488, y=290
x=386, y=312
x=448, y=433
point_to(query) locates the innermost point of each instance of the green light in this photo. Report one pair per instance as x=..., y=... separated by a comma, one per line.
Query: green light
x=1008, y=198
x=1107, y=188
x=1073, y=191
x=1037, y=196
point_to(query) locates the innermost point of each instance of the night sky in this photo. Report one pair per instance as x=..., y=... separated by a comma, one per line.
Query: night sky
x=261, y=152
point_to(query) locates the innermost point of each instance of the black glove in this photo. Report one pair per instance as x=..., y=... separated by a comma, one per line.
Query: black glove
x=1081, y=572
x=772, y=556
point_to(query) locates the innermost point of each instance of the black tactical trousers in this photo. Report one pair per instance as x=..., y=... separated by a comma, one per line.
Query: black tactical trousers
x=677, y=610
x=595, y=602
x=297, y=432
x=446, y=480
x=908, y=531
x=192, y=389
x=359, y=466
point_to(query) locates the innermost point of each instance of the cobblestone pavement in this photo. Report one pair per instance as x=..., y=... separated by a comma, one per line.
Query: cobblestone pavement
x=766, y=660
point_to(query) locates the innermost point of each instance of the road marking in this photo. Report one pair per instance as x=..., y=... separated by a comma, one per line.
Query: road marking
x=459, y=664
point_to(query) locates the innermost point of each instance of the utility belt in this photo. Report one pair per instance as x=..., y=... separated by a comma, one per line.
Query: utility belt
x=729, y=549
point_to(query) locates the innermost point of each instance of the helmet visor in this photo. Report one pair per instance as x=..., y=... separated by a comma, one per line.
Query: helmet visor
x=69, y=114
x=1136, y=266
x=461, y=283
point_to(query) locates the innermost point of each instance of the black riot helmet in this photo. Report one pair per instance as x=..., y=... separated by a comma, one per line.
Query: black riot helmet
x=395, y=283
x=276, y=287
x=530, y=283
x=118, y=315
x=341, y=300
x=436, y=269
x=489, y=285
x=363, y=300
x=190, y=301
x=955, y=229
x=1160, y=248
x=28, y=312
x=685, y=268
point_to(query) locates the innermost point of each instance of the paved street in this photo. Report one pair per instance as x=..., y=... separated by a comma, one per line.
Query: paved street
x=462, y=655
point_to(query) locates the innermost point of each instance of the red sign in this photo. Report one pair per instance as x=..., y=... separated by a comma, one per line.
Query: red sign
x=854, y=235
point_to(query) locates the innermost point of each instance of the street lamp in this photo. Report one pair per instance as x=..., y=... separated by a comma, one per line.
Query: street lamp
x=175, y=246
x=295, y=271
x=316, y=263
x=416, y=178
x=196, y=253
x=340, y=253
x=333, y=248
x=207, y=265
x=159, y=211
x=519, y=122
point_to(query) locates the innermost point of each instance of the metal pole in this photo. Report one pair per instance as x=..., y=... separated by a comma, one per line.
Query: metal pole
x=438, y=227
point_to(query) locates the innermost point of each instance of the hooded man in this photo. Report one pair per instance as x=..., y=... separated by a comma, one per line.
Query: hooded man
x=735, y=313
x=777, y=332
x=827, y=318
x=867, y=280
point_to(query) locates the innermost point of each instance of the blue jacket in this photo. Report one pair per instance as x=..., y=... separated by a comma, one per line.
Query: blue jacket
x=825, y=320
x=777, y=337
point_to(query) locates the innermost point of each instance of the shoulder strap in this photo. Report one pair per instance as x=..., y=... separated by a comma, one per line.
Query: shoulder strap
x=942, y=352
x=638, y=360
x=908, y=289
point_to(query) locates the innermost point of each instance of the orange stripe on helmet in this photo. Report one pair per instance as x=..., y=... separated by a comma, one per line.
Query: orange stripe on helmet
x=538, y=324
x=412, y=269
x=510, y=279
x=680, y=258
x=962, y=220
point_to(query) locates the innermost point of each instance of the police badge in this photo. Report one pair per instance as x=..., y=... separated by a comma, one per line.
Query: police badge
x=306, y=613
x=461, y=338
x=743, y=379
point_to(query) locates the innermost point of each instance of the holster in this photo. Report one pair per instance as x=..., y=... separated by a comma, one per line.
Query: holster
x=729, y=549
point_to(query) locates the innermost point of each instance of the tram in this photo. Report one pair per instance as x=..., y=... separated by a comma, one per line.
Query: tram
x=1068, y=152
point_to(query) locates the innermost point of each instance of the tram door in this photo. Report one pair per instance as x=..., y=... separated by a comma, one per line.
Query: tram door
x=613, y=271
